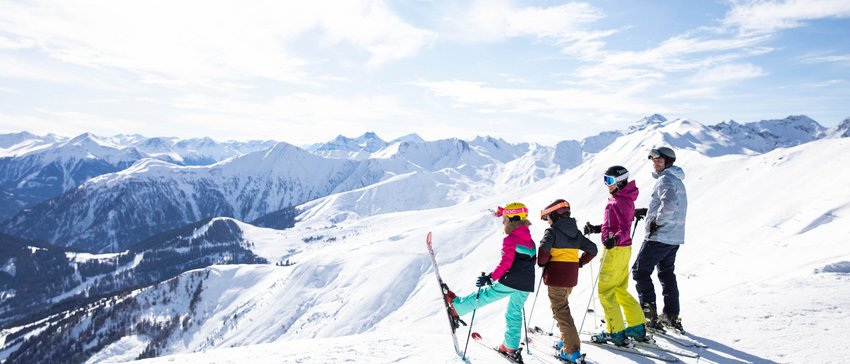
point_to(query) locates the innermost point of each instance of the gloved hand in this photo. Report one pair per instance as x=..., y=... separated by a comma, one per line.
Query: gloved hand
x=592, y=229
x=610, y=242
x=653, y=226
x=484, y=280
x=640, y=213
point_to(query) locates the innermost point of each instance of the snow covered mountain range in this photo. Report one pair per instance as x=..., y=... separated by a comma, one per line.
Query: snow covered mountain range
x=34, y=168
x=355, y=268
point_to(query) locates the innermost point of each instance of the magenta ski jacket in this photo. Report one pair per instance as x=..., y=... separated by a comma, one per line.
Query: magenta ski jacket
x=516, y=268
x=619, y=214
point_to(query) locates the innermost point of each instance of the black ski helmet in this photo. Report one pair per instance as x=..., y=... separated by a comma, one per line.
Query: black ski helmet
x=616, y=175
x=668, y=154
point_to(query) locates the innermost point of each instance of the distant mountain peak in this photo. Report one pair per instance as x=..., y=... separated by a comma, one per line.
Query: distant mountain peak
x=413, y=138
x=843, y=129
x=369, y=135
x=89, y=139
x=369, y=142
x=655, y=119
x=652, y=121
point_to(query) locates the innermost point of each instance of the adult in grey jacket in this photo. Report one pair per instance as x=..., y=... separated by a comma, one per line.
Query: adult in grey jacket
x=665, y=232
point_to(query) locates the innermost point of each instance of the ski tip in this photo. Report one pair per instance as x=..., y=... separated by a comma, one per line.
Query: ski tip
x=476, y=336
x=428, y=238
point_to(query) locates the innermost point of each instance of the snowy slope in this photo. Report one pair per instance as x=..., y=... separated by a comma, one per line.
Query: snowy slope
x=38, y=169
x=763, y=273
x=841, y=130
x=153, y=196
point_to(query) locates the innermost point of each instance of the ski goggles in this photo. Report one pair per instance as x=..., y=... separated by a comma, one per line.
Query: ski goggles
x=501, y=211
x=653, y=154
x=545, y=213
x=610, y=180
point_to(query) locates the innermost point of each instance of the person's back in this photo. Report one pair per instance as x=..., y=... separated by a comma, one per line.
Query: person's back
x=669, y=192
x=559, y=257
x=665, y=233
x=513, y=278
x=616, y=301
x=559, y=253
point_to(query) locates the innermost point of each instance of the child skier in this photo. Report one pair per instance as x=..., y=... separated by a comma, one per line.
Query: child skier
x=559, y=255
x=614, y=273
x=514, y=277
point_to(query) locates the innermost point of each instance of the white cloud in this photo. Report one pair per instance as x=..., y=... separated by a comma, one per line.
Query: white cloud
x=541, y=102
x=727, y=73
x=682, y=92
x=67, y=123
x=197, y=41
x=16, y=68
x=844, y=58
x=769, y=16
x=497, y=20
x=294, y=117
x=6, y=43
x=826, y=83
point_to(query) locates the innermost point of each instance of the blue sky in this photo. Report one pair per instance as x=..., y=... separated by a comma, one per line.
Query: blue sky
x=541, y=71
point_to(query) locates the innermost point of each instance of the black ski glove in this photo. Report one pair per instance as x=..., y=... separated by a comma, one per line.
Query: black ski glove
x=610, y=242
x=484, y=280
x=640, y=213
x=592, y=229
x=653, y=226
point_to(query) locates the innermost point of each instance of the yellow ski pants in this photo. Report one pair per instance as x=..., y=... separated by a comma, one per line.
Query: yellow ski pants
x=613, y=290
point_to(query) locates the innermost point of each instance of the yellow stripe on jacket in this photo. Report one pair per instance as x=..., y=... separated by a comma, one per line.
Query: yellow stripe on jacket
x=567, y=255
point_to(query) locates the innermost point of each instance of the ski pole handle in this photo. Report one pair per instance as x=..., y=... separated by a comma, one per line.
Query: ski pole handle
x=479, y=288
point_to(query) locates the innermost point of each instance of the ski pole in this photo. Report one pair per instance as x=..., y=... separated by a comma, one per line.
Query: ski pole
x=637, y=220
x=534, y=303
x=524, y=321
x=592, y=296
x=471, y=321
x=602, y=262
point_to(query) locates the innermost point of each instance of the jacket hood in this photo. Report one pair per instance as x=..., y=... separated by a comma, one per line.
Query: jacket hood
x=521, y=232
x=674, y=171
x=630, y=191
x=567, y=225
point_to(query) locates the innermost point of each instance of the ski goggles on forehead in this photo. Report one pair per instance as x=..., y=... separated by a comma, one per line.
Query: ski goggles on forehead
x=501, y=211
x=654, y=154
x=546, y=212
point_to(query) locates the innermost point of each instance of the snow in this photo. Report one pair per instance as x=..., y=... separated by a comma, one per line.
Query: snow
x=9, y=267
x=388, y=347
x=85, y=257
x=764, y=273
x=757, y=226
x=125, y=349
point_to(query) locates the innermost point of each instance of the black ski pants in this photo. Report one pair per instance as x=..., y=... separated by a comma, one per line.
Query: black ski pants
x=653, y=254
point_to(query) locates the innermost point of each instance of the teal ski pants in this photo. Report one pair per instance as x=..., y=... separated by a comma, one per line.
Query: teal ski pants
x=513, y=316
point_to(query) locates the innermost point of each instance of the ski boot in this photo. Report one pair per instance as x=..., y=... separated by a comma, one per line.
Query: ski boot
x=512, y=354
x=618, y=338
x=638, y=333
x=652, y=322
x=672, y=321
x=575, y=357
x=449, y=296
